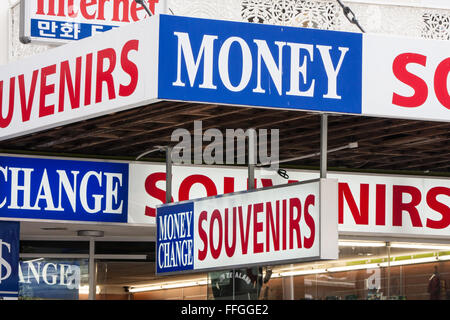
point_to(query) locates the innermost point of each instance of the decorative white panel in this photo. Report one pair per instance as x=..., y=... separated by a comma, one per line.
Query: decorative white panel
x=215, y=9
x=309, y=14
x=393, y=17
x=436, y=25
x=17, y=49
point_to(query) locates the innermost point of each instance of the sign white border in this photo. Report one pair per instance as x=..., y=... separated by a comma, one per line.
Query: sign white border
x=325, y=217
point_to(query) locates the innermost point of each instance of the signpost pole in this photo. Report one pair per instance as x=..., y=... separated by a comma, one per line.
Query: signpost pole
x=169, y=174
x=323, y=145
x=92, y=271
x=252, y=143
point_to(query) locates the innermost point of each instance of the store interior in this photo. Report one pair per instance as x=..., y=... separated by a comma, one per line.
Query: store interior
x=366, y=270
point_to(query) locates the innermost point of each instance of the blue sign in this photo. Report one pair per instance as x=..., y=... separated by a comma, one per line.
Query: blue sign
x=175, y=238
x=64, y=30
x=34, y=188
x=50, y=279
x=259, y=65
x=9, y=259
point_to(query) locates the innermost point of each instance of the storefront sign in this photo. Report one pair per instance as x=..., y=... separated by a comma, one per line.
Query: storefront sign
x=294, y=68
x=369, y=204
x=208, y=61
x=260, y=65
x=395, y=206
x=296, y=222
x=78, y=81
x=33, y=188
x=47, y=279
x=406, y=78
x=9, y=259
x=61, y=21
x=58, y=189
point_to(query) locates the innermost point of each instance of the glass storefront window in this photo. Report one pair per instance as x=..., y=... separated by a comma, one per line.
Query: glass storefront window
x=54, y=279
x=365, y=271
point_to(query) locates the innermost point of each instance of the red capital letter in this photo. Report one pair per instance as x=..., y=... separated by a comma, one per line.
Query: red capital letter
x=419, y=85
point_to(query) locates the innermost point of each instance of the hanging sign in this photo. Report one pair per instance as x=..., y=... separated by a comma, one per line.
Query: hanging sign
x=223, y=62
x=9, y=259
x=34, y=188
x=292, y=223
x=259, y=65
x=62, y=21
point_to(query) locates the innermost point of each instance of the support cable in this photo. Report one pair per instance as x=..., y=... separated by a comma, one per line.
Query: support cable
x=350, y=15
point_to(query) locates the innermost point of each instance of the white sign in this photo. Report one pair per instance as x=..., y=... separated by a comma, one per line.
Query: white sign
x=62, y=21
x=368, y=204
x=177, y=58
x=75, y=82
x=296, y=222
x=406, y=78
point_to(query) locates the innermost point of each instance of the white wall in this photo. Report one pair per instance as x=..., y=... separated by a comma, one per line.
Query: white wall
x=4, y=30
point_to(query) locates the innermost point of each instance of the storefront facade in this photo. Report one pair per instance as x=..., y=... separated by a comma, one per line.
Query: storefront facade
x=87, y=222
x=372, y=264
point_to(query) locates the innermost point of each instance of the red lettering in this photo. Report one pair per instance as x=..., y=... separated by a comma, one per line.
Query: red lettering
x=27, y=105
x=66, y=79
x=257, y=227
x=88, y=80
x=46, y=89
x=419, y=85
x=187, y=184
x=51, y=8
x=40, y=7
x=84, y=6
x=380, y=214
x=361, y=216
x=130, y=68
x=71, y=12
x=228, y=185
x=134, y=11
x=440, y=83
x=203, y=236
x=230, y=249
x=101, y=9
x=245, y=235
x=440, y=207
x=154, y=191
x=294, y=224
x=271, y=228
x=4, y=122
x=266, y=183
x=151, y=4
x=398, y=206
x=125, y=6
x=215, y=252
x=284, y=224
x=309, y=201
x=105, y=76
x=61, y=8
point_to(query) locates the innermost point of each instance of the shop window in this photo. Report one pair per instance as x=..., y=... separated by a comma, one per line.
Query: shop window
x=53, y=279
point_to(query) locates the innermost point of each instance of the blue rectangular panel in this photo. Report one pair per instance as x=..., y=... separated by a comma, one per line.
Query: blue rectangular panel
x=175, y=238
x=50, y=279
x=65, y=30
x=253, y=64
x=9, y=258
x=54, y=189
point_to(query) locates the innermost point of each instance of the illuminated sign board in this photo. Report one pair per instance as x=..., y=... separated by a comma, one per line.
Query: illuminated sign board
x=296, y=222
